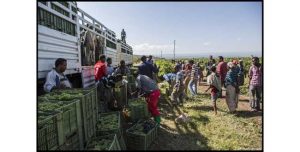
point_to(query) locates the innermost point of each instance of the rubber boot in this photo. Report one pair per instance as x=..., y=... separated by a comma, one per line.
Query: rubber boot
x=157, y=120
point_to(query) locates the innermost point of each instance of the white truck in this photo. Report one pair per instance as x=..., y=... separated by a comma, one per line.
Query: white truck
x=66, y=31
x=124, y=52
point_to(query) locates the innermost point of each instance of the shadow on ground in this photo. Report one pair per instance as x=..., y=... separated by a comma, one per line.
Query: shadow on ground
x=248, y=114
x=183, y=136
x=204, y=108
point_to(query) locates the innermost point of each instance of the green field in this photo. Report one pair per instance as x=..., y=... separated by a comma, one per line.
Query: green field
x=206, y=131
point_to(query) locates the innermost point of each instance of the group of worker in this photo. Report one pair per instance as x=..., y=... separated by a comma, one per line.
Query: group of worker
x=229, y=76
x=106, y=76
x=146, y=86
x=185, y=76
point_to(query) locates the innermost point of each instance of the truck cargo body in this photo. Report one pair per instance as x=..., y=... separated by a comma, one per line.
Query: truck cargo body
x=66, y=31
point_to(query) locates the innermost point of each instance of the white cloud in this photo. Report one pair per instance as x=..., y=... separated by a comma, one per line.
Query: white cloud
x=206, y=43
x=239, y=39
x=146, y=48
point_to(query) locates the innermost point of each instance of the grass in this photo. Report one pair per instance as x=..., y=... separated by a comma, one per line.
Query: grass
x=206, y=131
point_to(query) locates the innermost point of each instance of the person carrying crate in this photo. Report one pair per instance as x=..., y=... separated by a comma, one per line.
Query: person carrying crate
x=149, y=89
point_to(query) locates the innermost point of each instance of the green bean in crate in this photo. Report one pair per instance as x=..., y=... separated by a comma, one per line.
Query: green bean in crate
x=110, y=123
x=88, y=104
x=107, y=142
x=57, y=121
x=138, y=109
x=141, y=135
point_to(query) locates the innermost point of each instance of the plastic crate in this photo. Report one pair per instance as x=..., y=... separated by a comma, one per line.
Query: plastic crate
x=133, y=69
x=48, y=133
x=120, y=95
x=130, y=79
x=113, y=146
x=89, y=109
x=89, y=116
x=71, y=143
x=140, y=141
x=122, y=142
x=54, y=130
x=118, y=130
x=138, y=112
x=103, y=131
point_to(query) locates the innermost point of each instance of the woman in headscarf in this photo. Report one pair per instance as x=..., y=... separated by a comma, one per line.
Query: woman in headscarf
x=232, y=91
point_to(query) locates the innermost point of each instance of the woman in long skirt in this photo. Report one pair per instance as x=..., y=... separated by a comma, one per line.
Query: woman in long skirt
x=232, y=91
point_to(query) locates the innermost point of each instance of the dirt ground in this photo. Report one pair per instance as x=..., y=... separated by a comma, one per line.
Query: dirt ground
x=173, y=137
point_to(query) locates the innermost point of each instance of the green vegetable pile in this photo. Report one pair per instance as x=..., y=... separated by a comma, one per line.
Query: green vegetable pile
x=101, y=144
x=137, y=108
x=108, y=122
x=63, y=96
x=136, y=102
x=142, y=128
x=50, y=104
x=138, y=129
x=72, y=91
x=48, y=108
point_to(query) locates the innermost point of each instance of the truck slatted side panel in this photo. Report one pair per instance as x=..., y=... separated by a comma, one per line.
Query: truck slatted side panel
x=113, y=55
x=53, y=44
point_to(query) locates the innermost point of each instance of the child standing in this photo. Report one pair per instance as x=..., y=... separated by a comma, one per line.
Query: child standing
x=214, y=82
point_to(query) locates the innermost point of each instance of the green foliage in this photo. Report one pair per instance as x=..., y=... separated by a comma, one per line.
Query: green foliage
x=166, y=66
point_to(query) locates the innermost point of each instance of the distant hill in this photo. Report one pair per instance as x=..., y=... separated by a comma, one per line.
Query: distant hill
x=205, y=54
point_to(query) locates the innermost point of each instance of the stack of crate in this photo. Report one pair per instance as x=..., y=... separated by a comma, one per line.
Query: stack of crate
x=110, y=123
x=73, y=126
x=57, y=128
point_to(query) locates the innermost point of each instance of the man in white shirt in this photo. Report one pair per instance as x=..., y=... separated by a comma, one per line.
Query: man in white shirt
x=55, y=78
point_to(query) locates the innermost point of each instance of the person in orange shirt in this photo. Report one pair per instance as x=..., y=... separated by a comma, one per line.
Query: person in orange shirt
x=100, y=68
x=102, y=92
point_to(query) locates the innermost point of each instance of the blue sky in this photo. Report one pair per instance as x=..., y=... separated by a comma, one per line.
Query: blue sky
x=217, y=28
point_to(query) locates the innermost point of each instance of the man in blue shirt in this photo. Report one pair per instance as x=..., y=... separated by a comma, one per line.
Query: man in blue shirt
x=150, y=60
x=146, y=68
x=170, y=78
